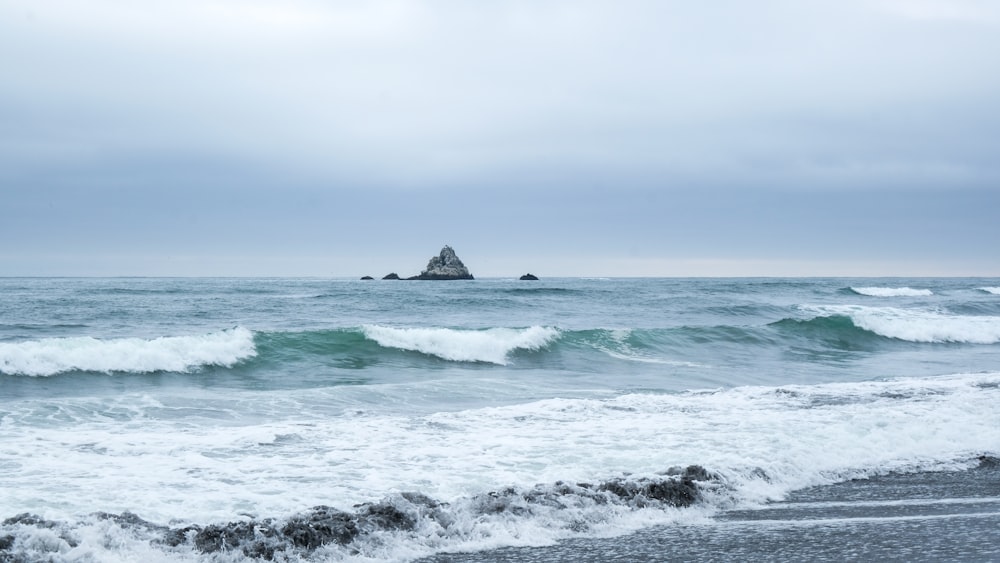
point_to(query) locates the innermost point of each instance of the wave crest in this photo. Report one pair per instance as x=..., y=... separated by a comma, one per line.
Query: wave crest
x=919, y=326
x=490, y=346
x=52, y=356
x=892, y=291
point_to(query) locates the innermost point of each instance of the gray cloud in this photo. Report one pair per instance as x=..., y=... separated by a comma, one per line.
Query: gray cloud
x=736, y=128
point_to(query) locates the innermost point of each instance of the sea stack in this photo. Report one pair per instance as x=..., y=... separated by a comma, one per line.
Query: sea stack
x=445, y=266
x=529, y=277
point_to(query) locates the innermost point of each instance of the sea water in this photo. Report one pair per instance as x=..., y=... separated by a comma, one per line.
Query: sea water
x=332, y=419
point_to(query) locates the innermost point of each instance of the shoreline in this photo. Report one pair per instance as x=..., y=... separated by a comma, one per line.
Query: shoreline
x=928, y=516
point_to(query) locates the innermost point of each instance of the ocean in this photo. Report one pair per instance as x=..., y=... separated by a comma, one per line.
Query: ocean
x=570, y=419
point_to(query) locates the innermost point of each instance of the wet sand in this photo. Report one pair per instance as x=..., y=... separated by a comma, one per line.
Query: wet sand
x=934, y=516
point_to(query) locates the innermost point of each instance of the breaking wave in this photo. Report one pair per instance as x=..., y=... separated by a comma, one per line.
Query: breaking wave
x=490, y=346
x=51, y=356
x=853, y=326
x=891, y=291
x=909, y=325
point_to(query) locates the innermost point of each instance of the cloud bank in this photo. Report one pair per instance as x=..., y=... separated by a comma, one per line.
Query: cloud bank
x=664, y=131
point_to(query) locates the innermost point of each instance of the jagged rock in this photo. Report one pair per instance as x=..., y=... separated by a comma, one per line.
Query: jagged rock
x=386, y=516
x=298, y=536
x=367, y=278
x=28, y=519
x=130, y=520
x=529, y=277
x=392, y=276
x=321, y=525
x=679, y=491
x=176, y=536
x=225, y=537
x=445, y=266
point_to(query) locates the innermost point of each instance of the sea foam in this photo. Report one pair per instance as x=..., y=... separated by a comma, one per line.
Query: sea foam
x=892, y=291
x=524, y=474
x=52, y=356
x=991, y=290
x=491, y=346
x=919, y=326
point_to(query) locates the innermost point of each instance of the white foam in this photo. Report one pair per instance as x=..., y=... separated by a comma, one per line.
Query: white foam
x=491, y=346
x=52, y=356
x=892, y=291
x=764, y=441
x=919, y=325
x=992, y=290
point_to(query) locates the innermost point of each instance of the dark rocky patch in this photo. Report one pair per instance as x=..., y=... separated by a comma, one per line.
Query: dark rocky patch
x=640, y=493
x=26, y=519
x=678, y=490
x=392, y=276
x=129, y=520
x=989, y=462
x=693, y=473
x=259, y=540
x=320, y=526
x=385, y=516
x=367, y=278
x=323, y=525
x=6, y=543
x=177, y=536
x=528, y=277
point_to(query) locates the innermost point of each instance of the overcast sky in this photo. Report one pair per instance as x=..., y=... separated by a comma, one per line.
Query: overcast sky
x=565, y=138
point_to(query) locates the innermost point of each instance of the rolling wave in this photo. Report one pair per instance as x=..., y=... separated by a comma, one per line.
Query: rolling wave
x=490, y=346
x=990, y=290
x=838, y=327
x=891, y=291
x=909, y=325
x=835, y=331
x=52, y=356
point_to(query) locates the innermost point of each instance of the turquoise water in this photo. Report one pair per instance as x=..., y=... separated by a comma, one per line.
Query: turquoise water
x=198, y=402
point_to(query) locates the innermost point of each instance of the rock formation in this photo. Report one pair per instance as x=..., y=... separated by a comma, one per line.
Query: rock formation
x=364, y=528
x=367, y=278
x=392, y=276
x=445, y=266
x=529, y=277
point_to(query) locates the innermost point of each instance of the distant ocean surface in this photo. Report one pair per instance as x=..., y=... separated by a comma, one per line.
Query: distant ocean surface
x=499, y=420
